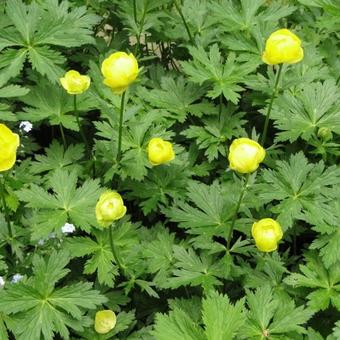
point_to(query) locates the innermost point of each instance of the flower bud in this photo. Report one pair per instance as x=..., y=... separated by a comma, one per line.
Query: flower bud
x=325, y=134
x=245, y=155
x=282, y=46
x=9, y=143
x=160, y=151
x=105, y=321
x=119, y=71
x=266, y=233
x=75, y=83
x=110, y=207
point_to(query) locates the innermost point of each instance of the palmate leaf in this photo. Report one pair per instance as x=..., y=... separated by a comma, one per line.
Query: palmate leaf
x=159, y=254
x=67, y=203
x=269, y=315
x=160, y=186
x=209, y=212
x=40, y=309
x=101, y=256
x=34, y=28
x=328, y=243
x=221, y=319
x=194, y=270
x=248, y=23
x=223, y=78
x=179, y=98
x=302, y=114
x=325, y=283
x=212, y=134
x=309, y=192
x=58, y=158
x=137, y=131
x=49, y=102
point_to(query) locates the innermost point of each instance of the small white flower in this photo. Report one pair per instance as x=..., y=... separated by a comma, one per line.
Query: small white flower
x=2, y=282
x=41, y=242
x=16, y=278
x=26, y=126
x=51, y=235
x=68, y=228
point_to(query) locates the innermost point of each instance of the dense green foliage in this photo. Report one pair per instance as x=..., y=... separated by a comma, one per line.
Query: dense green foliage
x=201, y=84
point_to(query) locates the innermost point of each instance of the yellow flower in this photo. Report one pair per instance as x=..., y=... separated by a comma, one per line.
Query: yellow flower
x=119, y=71
x=267, y=233
x=75, y=83
x=105, y=321
x=282, y=46
x=160, y=151
x=110, y=207
x=9, y=143
x=245, y=155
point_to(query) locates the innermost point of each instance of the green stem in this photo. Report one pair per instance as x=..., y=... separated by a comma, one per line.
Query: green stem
x=115, y=251
x=220, y=107
x=141, y=26
x=62, y=135
x=266, y=123
x=179, y=10
x=135, y=11
x=79, y=126
x=230, y=234
x=122, y=105
x=8, y=221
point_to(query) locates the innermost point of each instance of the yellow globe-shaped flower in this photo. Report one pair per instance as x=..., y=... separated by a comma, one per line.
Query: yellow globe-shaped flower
x=110, y=207
x=119, y=70
x=245, y=155
x=282, y=47
x=160, y=151
x=266, y=233
x=9, y=143
x=105, y=321
x=75, y=83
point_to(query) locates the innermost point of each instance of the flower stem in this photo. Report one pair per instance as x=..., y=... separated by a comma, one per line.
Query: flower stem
x=62, y=135
x=79, y=126
x=115, y=251
x=178, y=7
x=135, y=11
x=266, y=123
x=243, y=190
x=8, y=221
x=122, y=105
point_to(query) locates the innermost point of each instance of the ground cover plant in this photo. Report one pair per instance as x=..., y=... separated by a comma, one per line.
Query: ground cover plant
x=169, y=169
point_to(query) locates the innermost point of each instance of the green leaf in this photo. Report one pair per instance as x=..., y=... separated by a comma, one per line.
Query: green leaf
x=177, y=325
x=268, y=315
x=223, y=78
x=179, y=98
x=301, y=114
x=212, y=134
x=162, y=184
x=47, y=62
x=324, y=282
x=39, y=309
x=50, y=102
x=101, y=256
x=58, y=158
x=66, y=203
x=159, y=254
x=208, y=212
x=222, y=320
x=13, y=91
x=309, y=192
x=195, y=270
x=37, y=26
